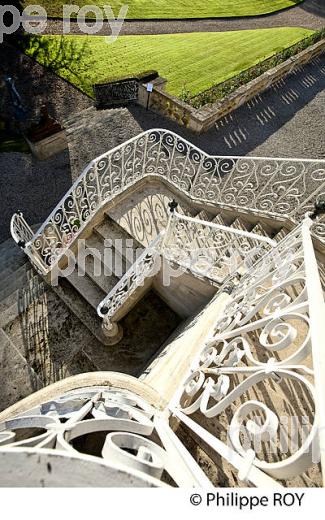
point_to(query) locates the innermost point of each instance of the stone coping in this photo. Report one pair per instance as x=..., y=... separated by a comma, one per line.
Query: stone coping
x=202, y=119
x=109, y=379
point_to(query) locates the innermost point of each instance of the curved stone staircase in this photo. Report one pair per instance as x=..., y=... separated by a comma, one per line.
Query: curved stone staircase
x=166, y=328
x=21, y=288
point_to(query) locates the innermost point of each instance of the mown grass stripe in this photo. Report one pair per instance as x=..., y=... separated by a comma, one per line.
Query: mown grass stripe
x=194, y=61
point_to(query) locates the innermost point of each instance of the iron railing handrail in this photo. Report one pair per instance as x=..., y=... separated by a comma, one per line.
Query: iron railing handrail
x=158, y=245
x=317, y=329
x=193, y=168
x=152, y=247
x=228, y=229
x=312, y=307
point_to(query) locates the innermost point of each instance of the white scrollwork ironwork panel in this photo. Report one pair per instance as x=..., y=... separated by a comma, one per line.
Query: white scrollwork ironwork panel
x=268, y=417
x=212, y=251
x=113, y=426
x=143, y=268
x=252, y=384
x=283, y=187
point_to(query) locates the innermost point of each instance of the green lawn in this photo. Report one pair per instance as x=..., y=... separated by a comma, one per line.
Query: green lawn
x=176, y=8
x=194, y=61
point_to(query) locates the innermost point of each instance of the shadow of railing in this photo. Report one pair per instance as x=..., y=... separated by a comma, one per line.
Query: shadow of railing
x=252, y=124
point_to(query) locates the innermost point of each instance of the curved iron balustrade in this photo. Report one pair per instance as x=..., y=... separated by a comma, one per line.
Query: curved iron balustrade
x=272, y=187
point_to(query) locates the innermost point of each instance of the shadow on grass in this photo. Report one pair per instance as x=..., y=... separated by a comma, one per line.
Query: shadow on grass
x=63, y=56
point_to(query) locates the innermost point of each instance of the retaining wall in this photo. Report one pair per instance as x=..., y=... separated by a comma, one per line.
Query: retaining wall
x=202, y=119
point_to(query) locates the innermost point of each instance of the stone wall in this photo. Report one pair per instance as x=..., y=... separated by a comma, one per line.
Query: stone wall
x=202, y=119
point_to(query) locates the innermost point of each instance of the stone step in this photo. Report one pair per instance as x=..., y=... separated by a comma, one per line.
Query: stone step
x=12, y=264
x=112, y=259
x=239, y=224
x=109, y=229
x=204, y=215
x=219, y=220
x=16, y=280
x=86, y=288
x=260, y=230
x=81, y=308
x=123, y=242
x=18, y=377
x=96, y=274
x=280, y=235
x=10, y=308
x=18, y=300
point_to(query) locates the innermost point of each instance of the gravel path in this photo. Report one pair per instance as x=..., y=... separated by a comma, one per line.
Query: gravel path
x=310, y=14
x=32, y=186
x=286, y=121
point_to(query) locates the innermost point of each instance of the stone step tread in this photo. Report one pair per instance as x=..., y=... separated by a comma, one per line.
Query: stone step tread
x=86, y=288
x=122, y=240
x=9, y=308
x=95, y=272
x=280, y=235
x=258, y=229
x=204, y=215
x=18, y=301
x=81, y=308
x=219, y=220
x=16, y=280
x=13, y=267
x=239, y=224
x=111, y=257
x=19, y=376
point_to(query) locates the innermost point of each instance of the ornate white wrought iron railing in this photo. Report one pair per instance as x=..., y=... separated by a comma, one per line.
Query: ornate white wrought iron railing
x=274, y=187
x=134, y=278
x=254, y=395
x=260, y=375
x=139, y=449
x=209, y=251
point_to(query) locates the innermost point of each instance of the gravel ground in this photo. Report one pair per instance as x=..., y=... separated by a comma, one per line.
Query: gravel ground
x=286, y=121
x=32, y=186
x=310, y=14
